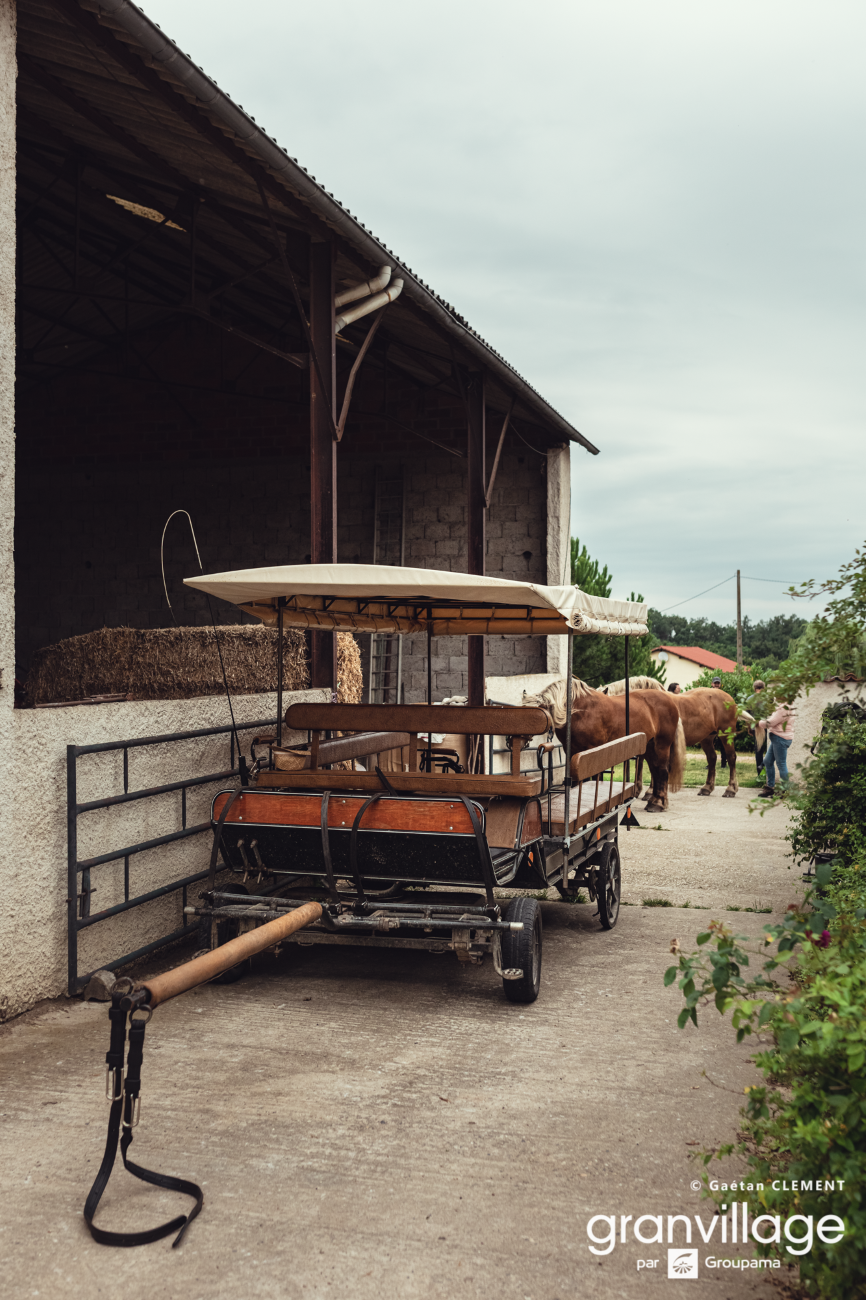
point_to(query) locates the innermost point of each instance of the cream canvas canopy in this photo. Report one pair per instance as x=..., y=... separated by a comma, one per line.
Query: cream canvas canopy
x=382, y=598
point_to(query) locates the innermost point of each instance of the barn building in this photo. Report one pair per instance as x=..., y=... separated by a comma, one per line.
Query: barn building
x=202, y=326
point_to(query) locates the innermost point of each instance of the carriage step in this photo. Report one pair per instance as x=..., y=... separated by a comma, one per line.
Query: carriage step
x=512, y=973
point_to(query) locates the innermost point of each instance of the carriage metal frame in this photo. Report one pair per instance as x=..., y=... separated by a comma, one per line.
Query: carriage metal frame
x=417, y=859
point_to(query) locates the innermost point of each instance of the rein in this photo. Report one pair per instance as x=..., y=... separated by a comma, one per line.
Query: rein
x=123, y=1091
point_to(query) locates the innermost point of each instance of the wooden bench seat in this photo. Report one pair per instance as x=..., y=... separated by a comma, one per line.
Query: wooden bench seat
x=475, y=786
x=589, y=810
x=462, y=720
x=522, y=724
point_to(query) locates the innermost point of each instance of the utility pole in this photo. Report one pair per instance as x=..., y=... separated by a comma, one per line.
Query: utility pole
x=739, y=626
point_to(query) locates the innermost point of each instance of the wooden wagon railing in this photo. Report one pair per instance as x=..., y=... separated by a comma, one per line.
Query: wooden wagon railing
x=588, y=768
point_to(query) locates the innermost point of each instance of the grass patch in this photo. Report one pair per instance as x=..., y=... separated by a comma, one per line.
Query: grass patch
x=580, y=897
x=666, y=902
x=695, y=773
x=730, y=908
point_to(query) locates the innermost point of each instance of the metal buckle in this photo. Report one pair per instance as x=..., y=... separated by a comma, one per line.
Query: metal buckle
x=114, y=1090
x=136, y=1114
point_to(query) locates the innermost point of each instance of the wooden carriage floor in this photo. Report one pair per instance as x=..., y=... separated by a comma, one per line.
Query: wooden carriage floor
x=583, y=806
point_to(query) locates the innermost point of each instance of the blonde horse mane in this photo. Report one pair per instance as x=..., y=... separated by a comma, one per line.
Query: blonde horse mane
x=634, y=684
x=554, y=697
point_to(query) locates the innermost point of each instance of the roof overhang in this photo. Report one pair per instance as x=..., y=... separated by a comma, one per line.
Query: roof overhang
x=219, y=110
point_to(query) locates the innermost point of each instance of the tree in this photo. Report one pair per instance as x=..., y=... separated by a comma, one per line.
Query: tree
x=601, y=659
x=586, y=574
x=835, y=641
x=765, y=644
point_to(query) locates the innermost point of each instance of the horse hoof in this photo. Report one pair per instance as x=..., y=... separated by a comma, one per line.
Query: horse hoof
x=705, y=791
x=729, y=794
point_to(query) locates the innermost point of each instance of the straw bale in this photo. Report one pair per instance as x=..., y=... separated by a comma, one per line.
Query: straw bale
x=180, y=663
x=350, y=684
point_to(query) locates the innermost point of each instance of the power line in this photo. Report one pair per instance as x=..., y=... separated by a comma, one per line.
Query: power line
x=780, y=581
x=700, y=593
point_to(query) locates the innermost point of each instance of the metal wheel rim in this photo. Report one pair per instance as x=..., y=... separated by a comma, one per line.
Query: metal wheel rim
x=612, y=889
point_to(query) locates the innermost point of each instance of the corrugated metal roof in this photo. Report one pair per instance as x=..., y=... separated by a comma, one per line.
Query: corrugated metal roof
x=101, y=82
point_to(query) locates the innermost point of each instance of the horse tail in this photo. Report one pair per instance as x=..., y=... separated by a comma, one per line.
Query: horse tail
x=678, y=759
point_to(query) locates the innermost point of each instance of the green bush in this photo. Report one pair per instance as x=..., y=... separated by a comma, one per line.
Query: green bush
x=831, y=799
x=808, y=1120
x=738, y=684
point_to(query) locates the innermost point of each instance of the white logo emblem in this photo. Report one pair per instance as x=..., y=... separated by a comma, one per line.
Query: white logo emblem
x=682, y=1263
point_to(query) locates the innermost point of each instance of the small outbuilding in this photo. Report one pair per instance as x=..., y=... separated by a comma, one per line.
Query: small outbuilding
x=685, y=663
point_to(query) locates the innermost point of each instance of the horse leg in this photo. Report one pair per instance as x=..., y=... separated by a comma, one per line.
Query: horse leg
x=710, y=750
x=659, y=764
x=733, y=783
x=638, y=775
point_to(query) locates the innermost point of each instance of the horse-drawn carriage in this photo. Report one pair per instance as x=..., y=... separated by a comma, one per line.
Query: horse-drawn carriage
x=415, y=856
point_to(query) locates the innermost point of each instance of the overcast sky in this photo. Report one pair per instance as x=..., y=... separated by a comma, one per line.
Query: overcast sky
x=655, y=211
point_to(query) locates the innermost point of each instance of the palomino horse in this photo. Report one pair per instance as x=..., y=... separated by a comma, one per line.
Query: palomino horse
x=708, y=716
x=596, y=719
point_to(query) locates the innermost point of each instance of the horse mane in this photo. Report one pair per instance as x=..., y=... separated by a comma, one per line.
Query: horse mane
x=554, y=697
x=634, y=684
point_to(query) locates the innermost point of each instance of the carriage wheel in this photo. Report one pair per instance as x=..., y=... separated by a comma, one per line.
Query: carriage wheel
x=608, y=886
x=521, y=951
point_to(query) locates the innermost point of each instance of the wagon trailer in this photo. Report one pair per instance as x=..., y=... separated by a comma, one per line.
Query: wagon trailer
x=321, y=845
x=414, y=858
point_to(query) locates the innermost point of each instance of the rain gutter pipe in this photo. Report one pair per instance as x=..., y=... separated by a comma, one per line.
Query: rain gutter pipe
x=371, y=304
x=254, y=141
x=356, y=291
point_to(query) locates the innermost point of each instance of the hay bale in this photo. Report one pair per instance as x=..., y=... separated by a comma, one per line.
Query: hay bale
x=350, y=683
x=181, y=663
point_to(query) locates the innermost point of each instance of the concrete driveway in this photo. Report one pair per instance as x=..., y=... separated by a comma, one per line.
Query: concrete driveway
x=386, y=1124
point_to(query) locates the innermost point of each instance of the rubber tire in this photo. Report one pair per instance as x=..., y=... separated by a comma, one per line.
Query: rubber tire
x=523, y=948
x=227, y=930
x=608, y=866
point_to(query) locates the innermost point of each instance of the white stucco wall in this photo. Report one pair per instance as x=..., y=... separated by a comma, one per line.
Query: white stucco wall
x=33, y=917
x=678, y=670
x=809, y=710
x=7, y=441
x=558, y=534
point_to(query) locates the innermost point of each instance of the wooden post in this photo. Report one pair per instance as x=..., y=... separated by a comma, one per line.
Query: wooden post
x=476, y=510
x=739, y=625
x=323, y=448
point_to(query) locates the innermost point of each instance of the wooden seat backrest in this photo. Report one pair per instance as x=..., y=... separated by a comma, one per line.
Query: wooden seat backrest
x=461, y=720
x=590, y=762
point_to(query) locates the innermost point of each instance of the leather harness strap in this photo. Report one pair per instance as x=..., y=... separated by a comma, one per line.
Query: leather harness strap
x=487, y=873
x=326, y=850
x=217, y=839
x=124, y=1092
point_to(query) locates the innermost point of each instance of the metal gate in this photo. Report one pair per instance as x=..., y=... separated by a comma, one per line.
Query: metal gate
x=79, y=870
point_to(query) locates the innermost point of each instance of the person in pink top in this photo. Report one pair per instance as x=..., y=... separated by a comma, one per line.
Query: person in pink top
x=780, y=733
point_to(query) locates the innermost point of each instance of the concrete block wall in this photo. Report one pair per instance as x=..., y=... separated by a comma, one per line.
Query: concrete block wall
x=435, y=487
